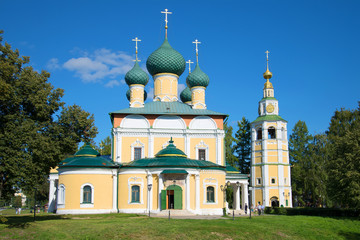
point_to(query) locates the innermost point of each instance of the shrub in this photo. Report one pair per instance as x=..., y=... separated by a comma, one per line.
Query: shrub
x=324, y=212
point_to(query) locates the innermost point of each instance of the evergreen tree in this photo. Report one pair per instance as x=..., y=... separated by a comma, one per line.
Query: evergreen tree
x=105, y=146
x=32, y=138
x=229, y=142
x=343, y=165
x=243, y=145
x=299, y=159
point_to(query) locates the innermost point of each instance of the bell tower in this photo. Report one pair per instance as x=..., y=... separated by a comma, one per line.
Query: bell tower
x=270, y=167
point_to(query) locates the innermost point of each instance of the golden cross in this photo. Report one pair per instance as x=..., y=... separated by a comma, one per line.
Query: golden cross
x=196, y=42
x=189, y=62
x=267, y=59
x=136, y=40
x=166, y=21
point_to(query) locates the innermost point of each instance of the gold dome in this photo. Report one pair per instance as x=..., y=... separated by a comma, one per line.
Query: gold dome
x=267, y=75
x=268, y=84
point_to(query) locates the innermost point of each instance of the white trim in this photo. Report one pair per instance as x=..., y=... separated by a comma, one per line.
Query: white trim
x=86, y=205
x=132, y=181
x=135, y=121
x=204, y=146
x=210, y=182
x=61, y=196
x=206, y=121
x=137, y=144
x=69, y=171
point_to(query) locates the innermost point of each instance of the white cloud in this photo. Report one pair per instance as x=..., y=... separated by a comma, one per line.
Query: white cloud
x=103, y=63
x=53, y=64
x=112, y=83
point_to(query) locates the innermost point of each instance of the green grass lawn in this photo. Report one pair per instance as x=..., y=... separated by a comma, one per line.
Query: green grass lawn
x=127, y=226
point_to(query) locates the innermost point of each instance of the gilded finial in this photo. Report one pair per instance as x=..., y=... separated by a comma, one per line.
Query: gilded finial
x=136, y=40
x=189, y=62
x=267, y=75
x=166, y=21
x=196, y=42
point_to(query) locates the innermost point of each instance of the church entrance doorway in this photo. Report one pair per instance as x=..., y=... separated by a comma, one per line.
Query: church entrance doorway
x=171, y=198
x=274, y=202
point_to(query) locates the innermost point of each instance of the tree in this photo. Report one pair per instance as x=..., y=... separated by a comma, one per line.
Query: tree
x=343, y=165
x=299, y=159
x=105, y=146
x=32, y=137
x=243, y=145
x=229, y=142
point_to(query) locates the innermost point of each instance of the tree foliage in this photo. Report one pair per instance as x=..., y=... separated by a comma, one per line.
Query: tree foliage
x=229, y=142
x=243, y=145
x=105, y=146
x=344, y=158
x=32, y=137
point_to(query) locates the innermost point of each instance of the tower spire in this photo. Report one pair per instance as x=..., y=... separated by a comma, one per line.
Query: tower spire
x=136, y=40
x=196, y=42
x=189, y=62
x=267, y=74
x=166, y=21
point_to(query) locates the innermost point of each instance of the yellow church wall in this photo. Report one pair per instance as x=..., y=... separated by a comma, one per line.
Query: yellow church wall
x=166, y=85
x=192, y=191
x=286, y=172
x=272, y=193
x=155, y=190
x=258, y=172
x=102, y=184
x=159, y=142
x=284, y=147
x=126, y=147
x=272, y=146
x=258, y=196
x=272, y=158
x=273, y=173
x=210, y=142
x=125, y=183
x=258, y=148
x=285, y=157
x=258, y=159
x=220, y=180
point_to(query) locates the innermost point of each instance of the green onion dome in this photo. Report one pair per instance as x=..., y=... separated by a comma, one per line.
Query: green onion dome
x=165, y=60
x=185, y=95
x=136, y=76
x=128, y=95
x=87, y=150
x=197, y=78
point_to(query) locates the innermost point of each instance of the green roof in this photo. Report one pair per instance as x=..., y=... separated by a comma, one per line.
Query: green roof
x=136, y=76
x=269, y=118
x=86, y=157
x=165, y=60
x=268, y=98
x=168, y=108
x=197, y=78
x=171, y=159
x=174, y=171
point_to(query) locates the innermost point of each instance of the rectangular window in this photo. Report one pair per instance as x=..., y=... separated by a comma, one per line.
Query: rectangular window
x=273, y=180
x=202, y=153
x=137, y=153
x=135, y=194
x=258, y=181
x=285, y=181
x=210, y=196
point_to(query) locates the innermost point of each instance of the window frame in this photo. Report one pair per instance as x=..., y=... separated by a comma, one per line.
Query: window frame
x=92, y=192
x=134, y=196
x=208, y=194
x=258, y=181
x=61, y=196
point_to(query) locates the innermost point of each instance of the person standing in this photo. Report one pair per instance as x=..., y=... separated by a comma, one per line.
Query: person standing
x=246, y=207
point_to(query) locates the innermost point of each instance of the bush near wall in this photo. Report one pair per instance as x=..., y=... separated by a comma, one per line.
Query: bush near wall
x=324, y=212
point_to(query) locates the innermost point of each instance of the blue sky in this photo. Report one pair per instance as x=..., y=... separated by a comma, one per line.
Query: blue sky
x=86, y=46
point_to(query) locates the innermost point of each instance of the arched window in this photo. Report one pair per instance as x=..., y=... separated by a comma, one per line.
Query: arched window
x=61, y=194
x=259, y=134
x=135, y=194
x=210, y=194
x=87, y=194
x=271, y=133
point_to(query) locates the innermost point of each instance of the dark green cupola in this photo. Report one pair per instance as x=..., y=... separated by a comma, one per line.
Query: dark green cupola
x=197, y=78
x=136, y=76
x=185, y=95
x=165, y=60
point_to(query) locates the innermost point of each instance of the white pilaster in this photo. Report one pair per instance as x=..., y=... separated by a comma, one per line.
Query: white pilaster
x=52, y=196
x=187, y=183
x=197, y=196
x=114, y=201
x=150, y=197
x=161, y=184
x=245, y=194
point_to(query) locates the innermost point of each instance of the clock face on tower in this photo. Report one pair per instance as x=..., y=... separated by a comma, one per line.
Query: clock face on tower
x=270, y=108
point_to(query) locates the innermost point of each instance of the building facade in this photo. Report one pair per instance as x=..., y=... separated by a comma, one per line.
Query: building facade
x=166, y=154
x=270, y=166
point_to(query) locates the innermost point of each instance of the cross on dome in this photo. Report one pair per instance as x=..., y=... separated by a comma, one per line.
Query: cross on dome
x=136, y=40
x=267, y=59
x=196, y=42
x=166, y=21
x=189, y=62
